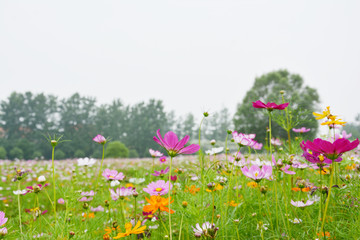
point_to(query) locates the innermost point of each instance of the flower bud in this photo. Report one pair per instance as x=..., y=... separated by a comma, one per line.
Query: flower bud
x=71, y=234
x=218, y=216
x=197, y=235
x=86, y=205
x=115, y=224
x=107, y=204
x=184, y=204
x=135, y=193
x=36, y=189
x=229, y=131
x=263, y=189
x=206, y=114
x=236, y=221
x=54, y=143
x=211, y=186
x=282, y=92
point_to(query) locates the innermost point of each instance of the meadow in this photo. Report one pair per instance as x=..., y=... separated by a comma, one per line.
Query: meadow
x=278, y=190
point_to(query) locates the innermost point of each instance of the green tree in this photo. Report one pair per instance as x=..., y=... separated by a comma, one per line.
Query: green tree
x=353, y=128
x=16, y=153
x=116, y=149
x=3, y=153
x=267, y=89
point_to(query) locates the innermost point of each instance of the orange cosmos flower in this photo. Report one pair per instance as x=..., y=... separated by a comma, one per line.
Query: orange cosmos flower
x=157, y=203
x=193, y=189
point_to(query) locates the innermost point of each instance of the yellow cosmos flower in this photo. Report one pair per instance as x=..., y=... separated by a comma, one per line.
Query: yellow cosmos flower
x=325, y=114
x=136, y=230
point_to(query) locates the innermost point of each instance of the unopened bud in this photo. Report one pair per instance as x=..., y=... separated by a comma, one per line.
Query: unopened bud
x=229, y=131
x=282, y=92
x=206, y=114
x=107, y=204
x=263, y=189
x=71, y=234
x=213, y=142
x=184, y=204
x=211, y=186
x=86, y=205
x=54, y=143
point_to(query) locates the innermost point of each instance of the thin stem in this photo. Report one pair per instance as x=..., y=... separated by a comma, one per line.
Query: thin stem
x=181, y=222
x=270, y=133
x=102, y=160
x=169, y=195
x=19, y=206
x=327, y=200
x=53, y=170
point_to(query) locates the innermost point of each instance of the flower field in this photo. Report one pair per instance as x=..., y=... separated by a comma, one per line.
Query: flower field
x=282, y=189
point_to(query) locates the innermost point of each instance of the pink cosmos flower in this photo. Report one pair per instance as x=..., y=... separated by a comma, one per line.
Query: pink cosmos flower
x=243, y=139
x=330, y=150
x=155, y=153
x=344, y=134
x=301, y=130
x=97, y=209
x=276, y=142
x=91, y=193
x=3, y=231
x=256, y=173
x=99, y=139
x=173, y=146
x=256, y=145
x=162, y=159
x=301, y=204
x=113, y=175
x=120, y=193
x=85, y=199
x=280, y=165
x=3, y=219
x=61, y=201
x=159, y=187
x=87, y=196
x=161, y=173
x=269, y=106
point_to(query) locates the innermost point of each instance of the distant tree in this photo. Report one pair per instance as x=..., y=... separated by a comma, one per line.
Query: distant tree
x=142, y=121
x=116, y=149
x=3, y=153
x=77, y=123
x=267, y=88
x=16, y=153
x=353, y=128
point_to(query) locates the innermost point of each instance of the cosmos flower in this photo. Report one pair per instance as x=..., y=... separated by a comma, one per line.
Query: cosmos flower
x=161, y=173
x=276, y=142
x=159, y=187
x=302, y=204
x=243, y=139
x=162, y=159
x=269, y=106
x=113, y=175
x=3, y=219
x=157, y=203
x=86, y=161
x=207, y=229
x=256, y=173
x=129, y=230
x=173, y=146
x=120, y=193
x=155, y=153
x=99, y=139
x=332, y=151
x=214, y=151
x=301, y=130
x=325, y=114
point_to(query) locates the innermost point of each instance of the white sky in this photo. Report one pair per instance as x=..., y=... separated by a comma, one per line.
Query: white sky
x=195, y=55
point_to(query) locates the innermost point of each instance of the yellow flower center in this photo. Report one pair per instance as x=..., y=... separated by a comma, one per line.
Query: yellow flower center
x=256, y=174
x=321, y=158
x=111, y=176
x=159, y=189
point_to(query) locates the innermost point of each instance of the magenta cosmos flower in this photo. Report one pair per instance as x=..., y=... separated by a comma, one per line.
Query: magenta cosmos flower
x=113, y=175
x=159, y=187
x=330, y=150
x=99, y=139
x=161, y=173
x=301, y=130
x=162, y=159
x=269, y=106
x=173, y=146
x=256, y=173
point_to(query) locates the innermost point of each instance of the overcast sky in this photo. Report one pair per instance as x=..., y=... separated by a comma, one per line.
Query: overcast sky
x=195, y=55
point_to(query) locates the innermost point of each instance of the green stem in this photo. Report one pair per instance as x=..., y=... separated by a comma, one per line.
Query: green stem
x=287, y=124
x=19, y=206
x=53, y=170
x=102, y=161
x=169, y=195
x=327, y=200
x=181, y=222
x=270, y=134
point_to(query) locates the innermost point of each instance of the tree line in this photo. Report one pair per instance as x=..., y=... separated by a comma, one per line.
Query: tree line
x=26, y=117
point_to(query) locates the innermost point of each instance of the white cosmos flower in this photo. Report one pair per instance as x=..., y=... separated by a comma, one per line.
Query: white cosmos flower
x=17, y=192
x=86, y=161
x=137, y=180
x=214, y=151
x=114, y=183
x=296, y=220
